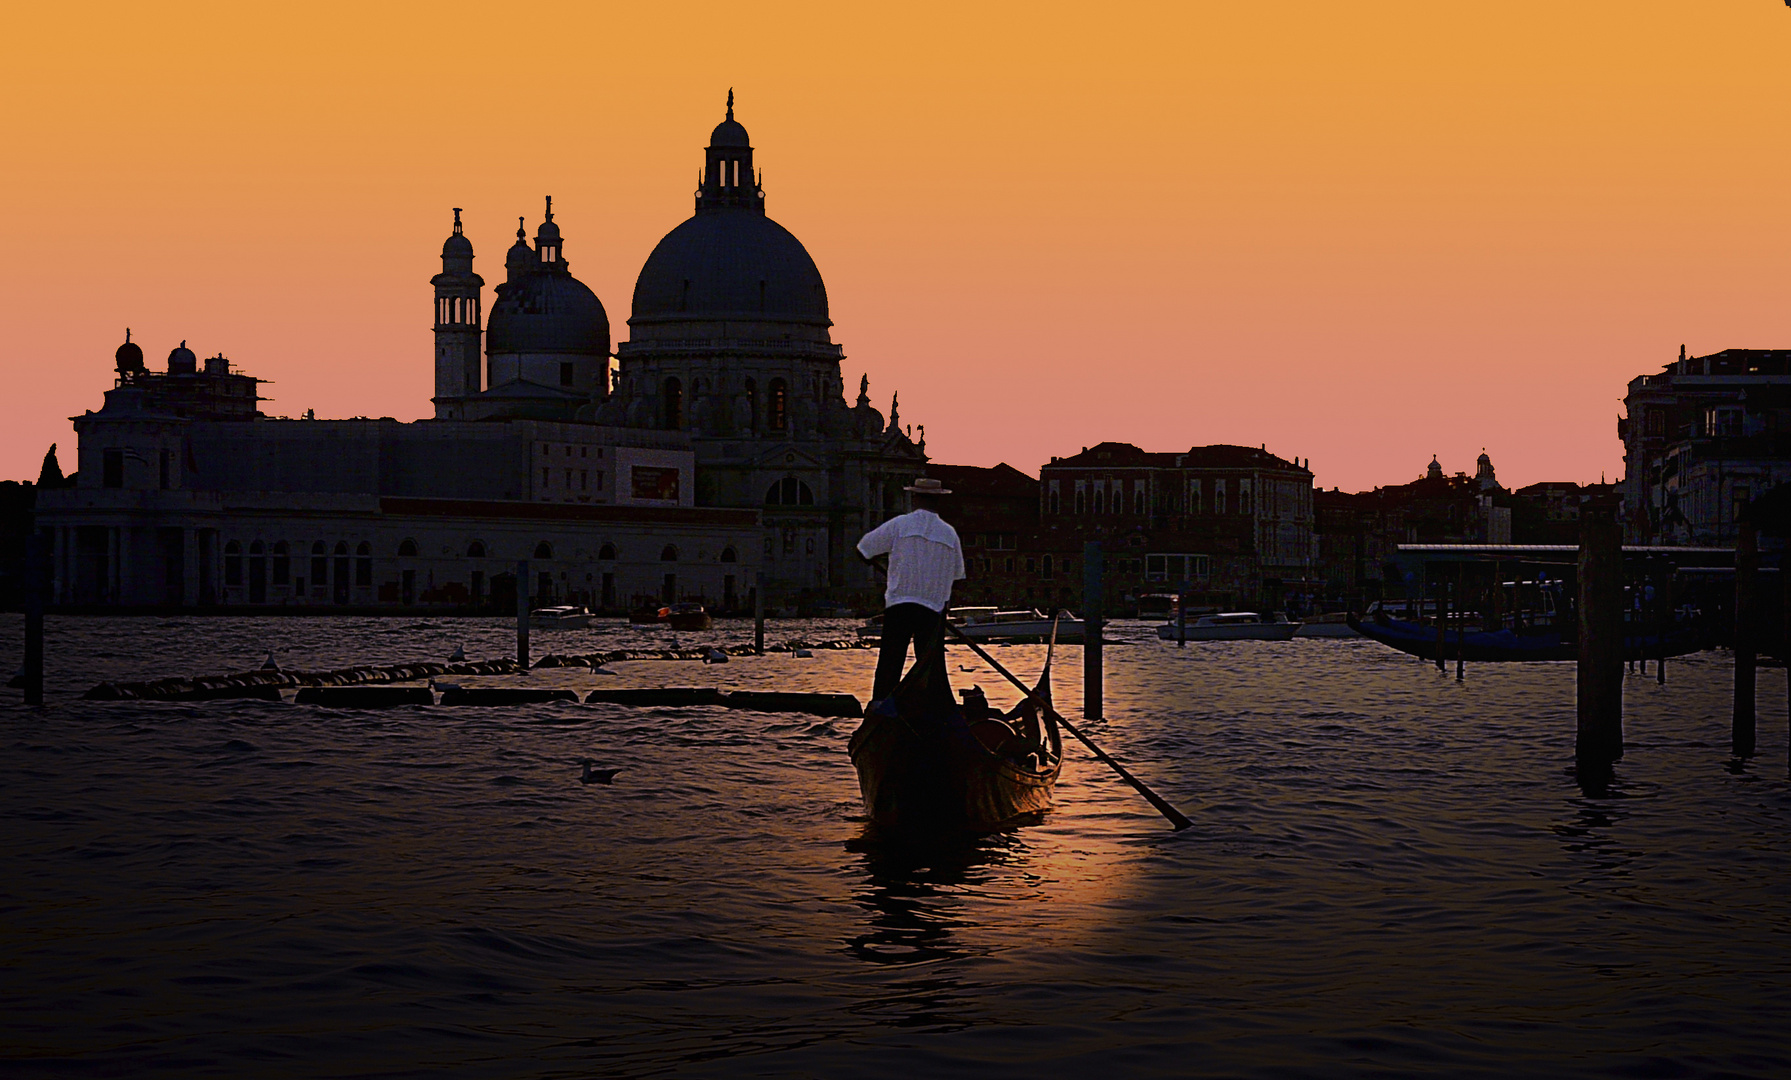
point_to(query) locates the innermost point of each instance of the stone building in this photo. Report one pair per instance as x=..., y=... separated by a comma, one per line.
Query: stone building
x=1701, y=440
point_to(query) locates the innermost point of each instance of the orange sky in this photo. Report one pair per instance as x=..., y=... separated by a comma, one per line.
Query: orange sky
x=1360, y=233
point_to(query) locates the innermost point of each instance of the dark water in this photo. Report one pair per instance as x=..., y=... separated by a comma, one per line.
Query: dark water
x=1390, y=874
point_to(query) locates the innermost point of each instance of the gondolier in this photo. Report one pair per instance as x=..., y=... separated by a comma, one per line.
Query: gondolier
x=924, y=559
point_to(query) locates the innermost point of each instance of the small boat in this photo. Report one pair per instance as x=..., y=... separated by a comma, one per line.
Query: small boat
x=1506, y=644
x=1330, y=624
x=647, y=616
x=928, y=765
x=560, y=618
x=1233, y=626
x=687, y=617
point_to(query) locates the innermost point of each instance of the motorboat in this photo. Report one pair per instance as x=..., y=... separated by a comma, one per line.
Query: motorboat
x=566, y=617
x=1233, y=626
x=687, y=617
x=1332, y=624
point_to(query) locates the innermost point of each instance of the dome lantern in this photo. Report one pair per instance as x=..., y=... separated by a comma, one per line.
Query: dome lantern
x=129, y=356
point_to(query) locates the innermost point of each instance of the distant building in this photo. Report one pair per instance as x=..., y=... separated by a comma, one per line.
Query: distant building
x=1008, y=559
x=1235, y=523
x=1702, y=439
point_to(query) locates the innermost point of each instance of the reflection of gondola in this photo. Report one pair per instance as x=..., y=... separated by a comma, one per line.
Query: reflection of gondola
x=1506, y=644
x=927, y=764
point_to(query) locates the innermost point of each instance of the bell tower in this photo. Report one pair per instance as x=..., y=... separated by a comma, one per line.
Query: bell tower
x=457, y=322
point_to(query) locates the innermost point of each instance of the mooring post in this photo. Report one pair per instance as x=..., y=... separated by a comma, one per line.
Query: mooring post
x=1091, y=630
x=758, y=614
x=1442, y=621
x=1461, y=625
x=1664, y=593
x=522, y=614
x=34, y=618
x=1181, y=615
x=1747, y=569
x=1599, y=739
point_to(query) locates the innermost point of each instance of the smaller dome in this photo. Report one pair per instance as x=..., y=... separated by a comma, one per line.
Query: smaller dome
x=129, y=355
x=520, y=256
x=457, y=246
x=182, y=361
x=729, y=133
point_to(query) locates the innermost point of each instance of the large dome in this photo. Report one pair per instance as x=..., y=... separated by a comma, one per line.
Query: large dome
x=545, y=312
x=734, y=264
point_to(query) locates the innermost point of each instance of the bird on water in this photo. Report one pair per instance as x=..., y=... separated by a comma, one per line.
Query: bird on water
x=596, y=776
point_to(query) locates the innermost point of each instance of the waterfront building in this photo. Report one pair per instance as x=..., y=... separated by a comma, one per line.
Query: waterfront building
x=1701, y=440
x=1233, y=522
x=720, y=446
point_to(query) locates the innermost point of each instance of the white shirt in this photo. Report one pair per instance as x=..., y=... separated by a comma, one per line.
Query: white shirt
x=924, y=558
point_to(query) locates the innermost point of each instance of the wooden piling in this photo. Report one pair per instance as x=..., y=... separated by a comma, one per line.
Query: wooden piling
x=1181, y=615
x=1461, y=625
x=1440, y=616
x=1091, y=630
x=522, y=614
x=1599, y=740
x=34, y=618
x=1663, y=594
x=758, y=614
x=1747, y=568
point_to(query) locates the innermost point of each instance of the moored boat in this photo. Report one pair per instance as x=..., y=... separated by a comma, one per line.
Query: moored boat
x=992, y=624
x=687, y=617
x=1233, y=626
x=1331, y=624
x=565, y=617
x=930, y=765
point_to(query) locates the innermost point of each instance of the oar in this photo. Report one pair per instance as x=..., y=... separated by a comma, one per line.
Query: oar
x=1175, y=816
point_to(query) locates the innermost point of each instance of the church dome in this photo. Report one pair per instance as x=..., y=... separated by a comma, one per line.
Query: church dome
x=182, y=361
x=729, y=132
x=735, y=264
x=129, y=355
x=457, y=246
x=545, y=312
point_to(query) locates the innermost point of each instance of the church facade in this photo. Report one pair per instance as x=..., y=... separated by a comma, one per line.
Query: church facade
x=713, y=449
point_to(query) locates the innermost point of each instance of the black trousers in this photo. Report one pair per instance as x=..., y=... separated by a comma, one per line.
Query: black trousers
x=902, y=624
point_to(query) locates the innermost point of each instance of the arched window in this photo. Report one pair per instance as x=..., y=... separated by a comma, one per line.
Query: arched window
x=607, y=551
x=669, y=554
x=789, y=492
x=282, y=563
x=407, y=549
x=233, y=563
x=475, y=550
x=255, y=548
x=341, y=547
x=1079, y=502
x=1138, y=501
x=777, y=405
x=320, y=566
x=727, y=554
x=674, y=403
x=1053, y=502
x=1097, y=500
x=363, y=565
x=544, y=550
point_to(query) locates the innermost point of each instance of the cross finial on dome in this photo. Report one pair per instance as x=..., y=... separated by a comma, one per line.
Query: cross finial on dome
x=550, y=208
x=457, y=221
x=730, y=103
x=127, y=335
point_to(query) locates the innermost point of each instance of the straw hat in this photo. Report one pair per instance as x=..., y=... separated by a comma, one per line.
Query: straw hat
x=926, y=485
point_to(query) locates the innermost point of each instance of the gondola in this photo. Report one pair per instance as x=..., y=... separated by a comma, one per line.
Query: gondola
x=929, y=765
x=1506, y=645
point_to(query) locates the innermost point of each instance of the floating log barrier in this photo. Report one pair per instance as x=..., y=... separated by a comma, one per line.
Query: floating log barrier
x=505, y=695
x=815, y=704
x=364, y=697
x=677, y=697
x=201, y=688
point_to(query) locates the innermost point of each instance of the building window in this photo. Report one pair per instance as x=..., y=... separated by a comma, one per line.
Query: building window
x=778, y=405
x=546, y=478
x=112, y=468
x=167, y=471
x=1243, y=496
x=282, y=563
x=1657, y=421
x=565, y=374
x=1080, y=509
x=789, y=492
x=1138, y=500
x=1218, y=496
x=1097, y=500
x=320, y=566
x=1045, y=567
x=727, y=554
x=407, y=549
x=1193, y=496
x=1174, y=569
x=607, y=551
x=363, y=566
x=669, y=553
x=674, y=404
x=544, y=550
x=233, y=564
x=584, y=480
x=475, y=550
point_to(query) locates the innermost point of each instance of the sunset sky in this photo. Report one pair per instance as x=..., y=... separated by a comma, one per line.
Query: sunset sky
x=1361, y=233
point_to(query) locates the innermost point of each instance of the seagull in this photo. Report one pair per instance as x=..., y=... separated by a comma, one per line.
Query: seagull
x=596, y=776
x=804, y=654
x=715, y=656
x=601, y=670
x=270, y=664
x=459, y=655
